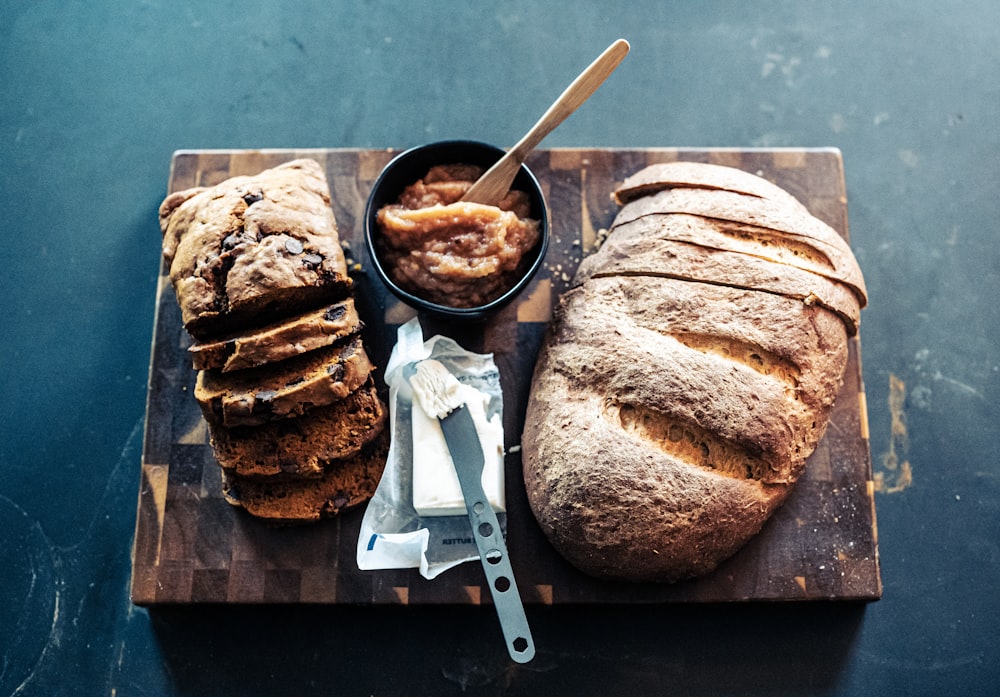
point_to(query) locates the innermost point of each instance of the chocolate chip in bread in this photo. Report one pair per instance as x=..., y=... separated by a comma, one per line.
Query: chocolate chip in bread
x=346, y=485
x=284, y=381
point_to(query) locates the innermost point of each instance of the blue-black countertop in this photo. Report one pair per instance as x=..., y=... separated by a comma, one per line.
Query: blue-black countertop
x=98, y=95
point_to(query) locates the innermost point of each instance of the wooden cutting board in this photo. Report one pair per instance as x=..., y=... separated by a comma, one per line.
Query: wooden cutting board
x=192, y=547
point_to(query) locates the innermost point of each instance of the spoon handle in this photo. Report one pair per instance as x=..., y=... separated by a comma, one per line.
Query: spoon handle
x=495, y=183
x=575, y=95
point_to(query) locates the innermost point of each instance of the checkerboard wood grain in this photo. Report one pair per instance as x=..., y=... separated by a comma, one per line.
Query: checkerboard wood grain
x=192, y=547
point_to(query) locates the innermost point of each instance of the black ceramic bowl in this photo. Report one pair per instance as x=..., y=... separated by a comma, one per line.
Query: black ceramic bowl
x=413, y=164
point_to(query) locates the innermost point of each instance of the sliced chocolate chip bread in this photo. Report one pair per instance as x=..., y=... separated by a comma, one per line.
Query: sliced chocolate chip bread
x=253, y=249
x=345, y=485
x=278, y=341
x=303, y=447
x=284, y=380
x=285, y=389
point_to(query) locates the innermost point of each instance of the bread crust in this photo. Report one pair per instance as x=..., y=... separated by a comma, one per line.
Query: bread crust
x=792, y=222
x=652, y=256
x=805, y=254
x=615, y=508
x=685, y=378
x=697, y=175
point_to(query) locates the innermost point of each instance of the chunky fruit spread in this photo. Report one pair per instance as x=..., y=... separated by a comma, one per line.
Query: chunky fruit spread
x=451, y=252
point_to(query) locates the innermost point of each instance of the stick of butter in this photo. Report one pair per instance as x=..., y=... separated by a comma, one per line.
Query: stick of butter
x=436, y=490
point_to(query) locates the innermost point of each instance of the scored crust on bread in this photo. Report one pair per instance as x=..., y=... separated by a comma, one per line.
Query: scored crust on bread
x=696, y=175
x=346, y=485
x=686, y=375
x=278, y=341
x=649, y=517
x=253, y=248
x=700, y=358
x=303, y=447
x=725, y=235
x=283, y=390
x=652, y=256
x=789, y=221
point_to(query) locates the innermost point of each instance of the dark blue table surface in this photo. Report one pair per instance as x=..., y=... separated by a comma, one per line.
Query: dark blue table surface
x=96, y=97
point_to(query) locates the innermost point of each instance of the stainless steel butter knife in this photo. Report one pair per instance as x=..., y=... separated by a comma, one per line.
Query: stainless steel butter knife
x=463, y=443
x=435, y=388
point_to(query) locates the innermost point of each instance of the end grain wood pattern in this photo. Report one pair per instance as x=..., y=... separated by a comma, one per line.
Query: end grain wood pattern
x=192, y=547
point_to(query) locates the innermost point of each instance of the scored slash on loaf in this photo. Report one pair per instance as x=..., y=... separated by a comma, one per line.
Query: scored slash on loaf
x=283, y=380
x=687, y=374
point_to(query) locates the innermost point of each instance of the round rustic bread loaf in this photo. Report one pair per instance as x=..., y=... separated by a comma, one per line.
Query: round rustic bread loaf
x=687, y=374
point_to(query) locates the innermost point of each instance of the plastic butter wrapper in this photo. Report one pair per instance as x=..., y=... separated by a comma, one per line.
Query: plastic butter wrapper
x=436, y=490
x=417, y=516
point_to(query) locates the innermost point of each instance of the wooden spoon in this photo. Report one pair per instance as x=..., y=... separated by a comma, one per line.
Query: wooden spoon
x=495, y=183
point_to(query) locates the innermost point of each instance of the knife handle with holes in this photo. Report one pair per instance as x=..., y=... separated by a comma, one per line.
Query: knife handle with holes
x=467, y=454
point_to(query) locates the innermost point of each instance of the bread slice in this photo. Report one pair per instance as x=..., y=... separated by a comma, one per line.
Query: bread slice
x=695, y=175
x=653, y=256
x=789, y=220
x=349, y=484
x=286, y=389
x=303, y=447
x=252, y=249
x=276, y=342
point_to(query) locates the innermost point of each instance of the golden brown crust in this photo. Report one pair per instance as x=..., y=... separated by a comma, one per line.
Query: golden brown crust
x=685, y=378
x=654, y=256
x=724, y=235
x=696, y=175
x=792, y=222
x=614, y=507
